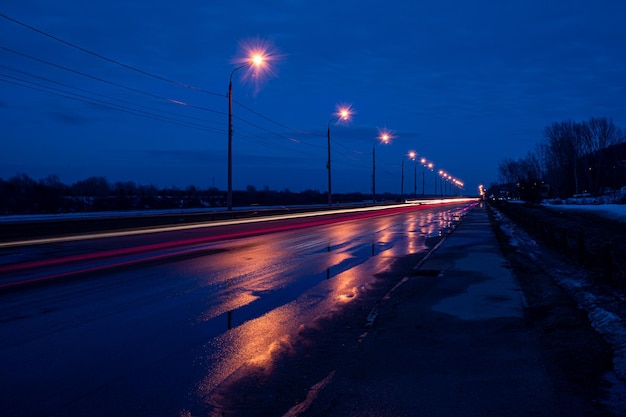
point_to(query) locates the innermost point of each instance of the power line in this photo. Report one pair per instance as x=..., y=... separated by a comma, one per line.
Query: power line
x=274, y=121
x=143, y=72
x=135, y=90
x=155, y=76
x=90, y=100
x=113, y=61
x=97, y=94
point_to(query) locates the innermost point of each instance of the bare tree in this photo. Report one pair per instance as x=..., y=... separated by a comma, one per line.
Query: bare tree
x=597, y=134
x=563, y=149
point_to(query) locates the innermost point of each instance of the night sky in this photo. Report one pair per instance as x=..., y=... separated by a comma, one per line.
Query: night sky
x=464, y=84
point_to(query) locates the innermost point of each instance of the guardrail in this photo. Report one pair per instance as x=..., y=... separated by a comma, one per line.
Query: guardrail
x=52, y=226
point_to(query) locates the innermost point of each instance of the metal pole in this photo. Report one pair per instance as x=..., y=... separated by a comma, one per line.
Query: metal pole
x=423, y=181
x=229, y=197
x=374, y=173
x=415, y=180
x=330, y=198
x=402, y=183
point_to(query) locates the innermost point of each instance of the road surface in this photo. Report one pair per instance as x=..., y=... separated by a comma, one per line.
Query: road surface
x=157, y=338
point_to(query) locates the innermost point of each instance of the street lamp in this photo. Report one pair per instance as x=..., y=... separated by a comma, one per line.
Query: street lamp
x=411, y=155
x=342, y=113
x=384, y=136
x=441, y=174
x=256, y=60
x=431, y=167
x=423, y=162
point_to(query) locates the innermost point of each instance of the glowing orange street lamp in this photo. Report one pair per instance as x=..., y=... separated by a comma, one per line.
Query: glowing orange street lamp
x=441, y=174
x=423, y=162
x=431, y=166
x=384, y=136
x=343, y=113
x=412, y=155
x=256, y=59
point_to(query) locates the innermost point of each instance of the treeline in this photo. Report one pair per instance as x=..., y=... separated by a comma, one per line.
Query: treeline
x=23, y=195
x=573, y=159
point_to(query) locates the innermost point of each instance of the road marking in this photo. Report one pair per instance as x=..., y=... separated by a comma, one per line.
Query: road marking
x=310, y=397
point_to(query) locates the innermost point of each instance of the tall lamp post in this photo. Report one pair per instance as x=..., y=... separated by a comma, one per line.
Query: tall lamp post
x=431, y=166
x=441, y=174
x=423, y=162
x=255, y=60
x=411, y=155
x=343, y=113
x=383, y=137
x=415, y=180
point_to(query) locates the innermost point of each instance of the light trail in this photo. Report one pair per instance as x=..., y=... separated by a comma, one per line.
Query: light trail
x=121, y=233
x=73, y=265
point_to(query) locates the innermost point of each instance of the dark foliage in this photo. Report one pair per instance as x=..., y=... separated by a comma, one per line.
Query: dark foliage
x=23, y=195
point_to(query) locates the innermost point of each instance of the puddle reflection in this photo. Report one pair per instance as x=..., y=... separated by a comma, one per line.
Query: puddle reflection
x=260, y=296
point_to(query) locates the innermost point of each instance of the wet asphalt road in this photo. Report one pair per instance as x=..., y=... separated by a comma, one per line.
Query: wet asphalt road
x=157, y=340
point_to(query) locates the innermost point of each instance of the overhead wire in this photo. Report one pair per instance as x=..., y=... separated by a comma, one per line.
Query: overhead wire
x=28, y=74
x=141, y=71
x=350, y=156
x=113, y=61
x=93, y=77
x=91, y=100
x=100, y=79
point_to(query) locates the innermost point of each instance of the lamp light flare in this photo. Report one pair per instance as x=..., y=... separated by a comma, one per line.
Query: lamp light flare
x=344, y=112
x=385, y=135
x=412, y=154
x=257, y=56
x=257, y=59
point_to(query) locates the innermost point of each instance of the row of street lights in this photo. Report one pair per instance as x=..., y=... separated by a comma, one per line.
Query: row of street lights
x=256, y=60
x=443, y=176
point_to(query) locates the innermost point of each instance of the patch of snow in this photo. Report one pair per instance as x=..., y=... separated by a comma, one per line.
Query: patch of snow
x=610, y=211
x=591, y=297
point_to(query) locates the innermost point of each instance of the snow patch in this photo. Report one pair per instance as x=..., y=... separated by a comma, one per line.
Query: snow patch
x=589, y=296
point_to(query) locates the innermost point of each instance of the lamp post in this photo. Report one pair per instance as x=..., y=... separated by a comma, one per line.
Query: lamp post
x=441, y=174
x=383, y=137
x=423, y=162
x=430, y=166
x=343, y=113
x=402, y=182
x=415, y=180
x=411, y=155
x=256, y=60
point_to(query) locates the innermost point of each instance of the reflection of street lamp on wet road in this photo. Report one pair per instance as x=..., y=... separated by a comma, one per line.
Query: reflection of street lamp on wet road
x=343, y=113
x=256, y=60
x=383, y=137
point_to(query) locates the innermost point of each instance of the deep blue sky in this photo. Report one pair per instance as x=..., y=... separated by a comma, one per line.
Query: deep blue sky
x=465, y=84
